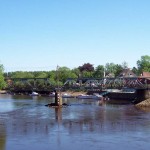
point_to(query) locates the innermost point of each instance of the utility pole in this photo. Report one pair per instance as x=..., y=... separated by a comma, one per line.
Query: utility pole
x=104, y=78
x=104, y=72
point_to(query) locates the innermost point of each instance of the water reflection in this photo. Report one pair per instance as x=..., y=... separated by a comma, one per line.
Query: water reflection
x=58, y=114
x=97, y=126
x=144, y=109
x=2, y=137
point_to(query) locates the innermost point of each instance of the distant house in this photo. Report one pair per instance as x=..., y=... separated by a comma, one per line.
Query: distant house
x=145, y=74
x=127, y=73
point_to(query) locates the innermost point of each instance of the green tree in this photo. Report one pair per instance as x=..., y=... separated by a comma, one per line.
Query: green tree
x=110, y=68
x=113, y=69
x=77, y=72
x=2, y=81
x=135, y=70
x=118, y=70
x=22, y=74
x=99, y=72
x=86, y=70
x=125, y=65
x=143, y=64
x=41, y=74
x=63, y=73
x=87, y=74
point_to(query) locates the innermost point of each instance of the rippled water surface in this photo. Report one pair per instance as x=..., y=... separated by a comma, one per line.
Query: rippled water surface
x=26, y=123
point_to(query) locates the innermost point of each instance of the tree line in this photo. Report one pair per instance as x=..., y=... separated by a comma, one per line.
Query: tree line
x=59, y=76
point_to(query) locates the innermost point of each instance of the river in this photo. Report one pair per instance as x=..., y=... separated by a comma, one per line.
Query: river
x=26, y=123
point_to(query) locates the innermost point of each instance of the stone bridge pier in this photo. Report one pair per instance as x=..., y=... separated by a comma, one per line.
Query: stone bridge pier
x=142, y=94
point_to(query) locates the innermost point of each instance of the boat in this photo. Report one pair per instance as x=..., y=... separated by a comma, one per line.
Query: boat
x=97, y=96
x=52, y=94
x=83, y=96
x=34, y=94
x=66, y=95
x=94, y=96
x=3, y=92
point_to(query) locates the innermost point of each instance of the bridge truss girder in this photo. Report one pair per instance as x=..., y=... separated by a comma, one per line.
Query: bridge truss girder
x=129, y=82
x=28, y=83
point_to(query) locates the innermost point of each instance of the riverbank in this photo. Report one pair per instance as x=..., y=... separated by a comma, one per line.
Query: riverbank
x=72, y=93
x=145, y=103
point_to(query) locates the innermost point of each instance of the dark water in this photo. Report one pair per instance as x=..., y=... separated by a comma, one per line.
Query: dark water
x=25, y=123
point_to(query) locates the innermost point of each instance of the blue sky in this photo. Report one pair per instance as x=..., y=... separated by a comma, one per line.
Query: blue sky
x=41, y=34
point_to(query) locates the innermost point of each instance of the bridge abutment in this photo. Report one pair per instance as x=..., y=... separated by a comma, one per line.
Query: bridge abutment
x=142, y=94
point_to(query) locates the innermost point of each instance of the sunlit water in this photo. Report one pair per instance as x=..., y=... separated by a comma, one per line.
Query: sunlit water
x=26, y=123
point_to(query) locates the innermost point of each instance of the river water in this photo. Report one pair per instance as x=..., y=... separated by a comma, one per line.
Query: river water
x=26, y=123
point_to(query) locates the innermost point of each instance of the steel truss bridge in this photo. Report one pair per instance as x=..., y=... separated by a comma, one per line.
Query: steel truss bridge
x=80, y=83
x=30, y=84
x=110, y=83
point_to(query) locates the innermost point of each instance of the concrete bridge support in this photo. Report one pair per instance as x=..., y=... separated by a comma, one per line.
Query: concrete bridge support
x=142, y=94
